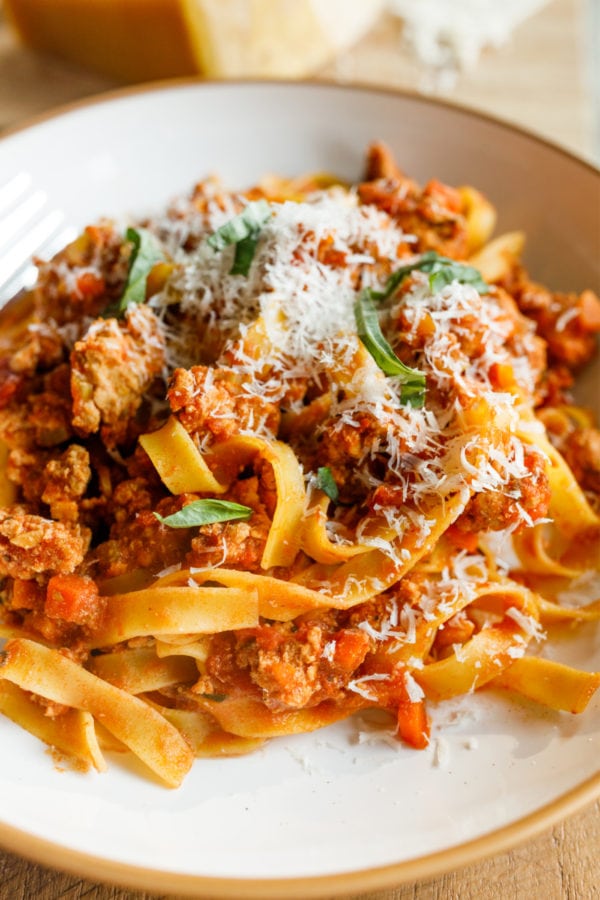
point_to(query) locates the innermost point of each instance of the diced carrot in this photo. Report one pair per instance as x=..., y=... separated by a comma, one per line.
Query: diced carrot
x=72, y=598
x=27, y=595
x=90, y=285
x=413, y=724
x=328, y=254
x=502, y=375
x=426, y=327
x=350, y=649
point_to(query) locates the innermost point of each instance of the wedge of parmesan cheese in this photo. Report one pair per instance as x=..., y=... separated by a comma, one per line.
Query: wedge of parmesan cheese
x=137, y=40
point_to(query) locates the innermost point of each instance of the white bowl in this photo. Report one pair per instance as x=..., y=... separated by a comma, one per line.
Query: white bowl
x=318, y=813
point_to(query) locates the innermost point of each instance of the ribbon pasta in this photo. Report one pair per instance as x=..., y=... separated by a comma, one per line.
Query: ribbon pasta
x=353, y=571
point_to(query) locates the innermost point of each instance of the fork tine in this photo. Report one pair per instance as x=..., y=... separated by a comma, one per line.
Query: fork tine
x=17, y=219
x=26, y=275
x=27, y=228
x=20, y=253
x=13, y=189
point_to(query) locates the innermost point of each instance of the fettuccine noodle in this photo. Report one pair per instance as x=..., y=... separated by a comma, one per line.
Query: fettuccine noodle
x=253, y=454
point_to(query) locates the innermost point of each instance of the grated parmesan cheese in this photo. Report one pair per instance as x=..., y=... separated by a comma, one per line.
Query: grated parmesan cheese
x=328, y=651
x=451, y=36
x=291, y=320
x=441, y=753
x=415, y=691
x=357, y=684
x=530, y=626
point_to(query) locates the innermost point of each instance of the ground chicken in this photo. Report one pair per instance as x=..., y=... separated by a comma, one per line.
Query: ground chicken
x=50, y=414
x=111, y=369
x=521, y=499
x=342, y=447
x=213, y=400
x=42, y=348
x=432, y=214
x=132, y=496
x=65, y=482
x=137, y=539
x=12, y=387
x=25, y=468
x=567, y=322
x=522, y=341
x=555, y=386
x=39, y=416
x=16, y=429
x=56, y=479
x=238, y=544
x=84, y=278
x=232, y=544
x=295, y=665
x=31, y=545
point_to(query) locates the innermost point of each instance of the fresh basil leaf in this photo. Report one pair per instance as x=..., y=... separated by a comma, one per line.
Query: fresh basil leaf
x=145, y=254
x=244, y=254
x=444, y=271
x=243, y=231
x=441, y=270
x=326, y=483
x=246, y=224
x=369, y=331
x=205, y=512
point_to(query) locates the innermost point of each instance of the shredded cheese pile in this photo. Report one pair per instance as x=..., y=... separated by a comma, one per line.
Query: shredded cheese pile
x=305, y=300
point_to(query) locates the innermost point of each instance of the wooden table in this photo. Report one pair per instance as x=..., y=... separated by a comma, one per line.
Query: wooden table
x=539, y=81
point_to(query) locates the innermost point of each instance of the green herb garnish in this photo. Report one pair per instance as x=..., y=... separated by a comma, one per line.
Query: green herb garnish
x=145, y=254
x=326, y=483
x=441, y=270
x=369, y=331
x=244, y=254
x=205, y=512
x=243, y=231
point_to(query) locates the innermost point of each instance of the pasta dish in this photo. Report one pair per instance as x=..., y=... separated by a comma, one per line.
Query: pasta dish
x=275, y=456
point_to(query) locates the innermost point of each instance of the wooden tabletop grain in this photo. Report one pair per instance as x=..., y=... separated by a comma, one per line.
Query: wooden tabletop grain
x=540, y=80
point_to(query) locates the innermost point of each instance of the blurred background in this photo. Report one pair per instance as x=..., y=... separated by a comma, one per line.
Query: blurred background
x=532, y=62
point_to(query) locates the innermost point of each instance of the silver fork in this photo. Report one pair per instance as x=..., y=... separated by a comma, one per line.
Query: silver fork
x=27, y=228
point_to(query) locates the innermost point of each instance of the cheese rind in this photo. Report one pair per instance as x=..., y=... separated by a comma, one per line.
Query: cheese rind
x=136, y=40
x=130, y=41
